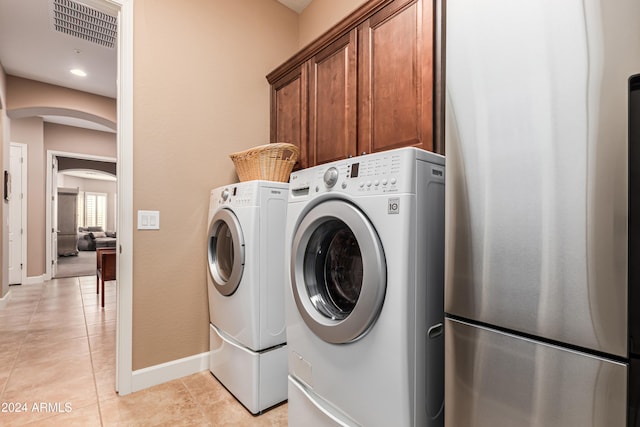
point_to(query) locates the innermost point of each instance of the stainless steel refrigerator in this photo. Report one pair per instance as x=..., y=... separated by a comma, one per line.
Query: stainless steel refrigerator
x=542, y=132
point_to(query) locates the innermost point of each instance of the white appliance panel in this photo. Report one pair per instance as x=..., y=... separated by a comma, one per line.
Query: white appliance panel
x=310, y=410
x=257, y=379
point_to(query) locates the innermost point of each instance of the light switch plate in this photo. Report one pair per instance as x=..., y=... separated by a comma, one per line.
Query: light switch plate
x=148, y=220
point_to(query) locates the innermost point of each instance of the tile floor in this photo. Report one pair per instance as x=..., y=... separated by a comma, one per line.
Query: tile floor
x=57, y=361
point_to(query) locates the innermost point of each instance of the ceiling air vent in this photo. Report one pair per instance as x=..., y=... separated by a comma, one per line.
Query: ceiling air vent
x=81, y=21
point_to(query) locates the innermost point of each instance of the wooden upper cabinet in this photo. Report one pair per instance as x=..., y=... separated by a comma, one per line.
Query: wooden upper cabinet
x=366, y=85
x=396, y=78
x=333, y=102
x=289, y=112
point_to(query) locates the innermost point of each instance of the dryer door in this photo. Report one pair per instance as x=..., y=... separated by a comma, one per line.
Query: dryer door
x=226, y=252
x=338, y=272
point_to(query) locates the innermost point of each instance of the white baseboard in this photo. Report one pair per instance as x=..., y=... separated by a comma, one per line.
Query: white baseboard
x=164, y=372
x=34, y=280
x=5, y=299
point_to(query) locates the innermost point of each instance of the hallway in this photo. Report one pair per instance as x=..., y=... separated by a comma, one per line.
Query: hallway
x=57, y=366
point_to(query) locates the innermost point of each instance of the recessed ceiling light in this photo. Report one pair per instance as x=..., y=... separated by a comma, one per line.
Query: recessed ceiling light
x=78, y=72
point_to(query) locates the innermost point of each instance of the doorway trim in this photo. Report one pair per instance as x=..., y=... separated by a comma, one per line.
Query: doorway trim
x=49, y=198
x=124, y=304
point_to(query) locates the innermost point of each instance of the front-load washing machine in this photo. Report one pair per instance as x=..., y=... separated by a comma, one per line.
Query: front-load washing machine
x=246, y=291
x=364, y=297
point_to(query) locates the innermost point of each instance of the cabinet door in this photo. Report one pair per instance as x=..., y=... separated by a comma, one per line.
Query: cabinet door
x=332, y=101
x=289, y=112
x=396, y=77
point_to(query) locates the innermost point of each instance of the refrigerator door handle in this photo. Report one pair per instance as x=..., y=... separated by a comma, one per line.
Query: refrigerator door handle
x=435, y=331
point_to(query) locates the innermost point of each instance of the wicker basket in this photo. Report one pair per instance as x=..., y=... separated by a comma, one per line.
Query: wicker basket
x=271, y=162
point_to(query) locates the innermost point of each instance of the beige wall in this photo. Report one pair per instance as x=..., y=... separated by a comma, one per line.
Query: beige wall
x=78, y=140
x=200, y=93
x=28, y=98
x=30, y=131
x=321, y=15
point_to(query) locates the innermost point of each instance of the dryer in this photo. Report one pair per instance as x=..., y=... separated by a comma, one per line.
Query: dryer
x=364, y=294
x=246, y=291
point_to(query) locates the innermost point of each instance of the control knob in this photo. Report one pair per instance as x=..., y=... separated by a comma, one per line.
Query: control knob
x=331, y=177
x=225, y=194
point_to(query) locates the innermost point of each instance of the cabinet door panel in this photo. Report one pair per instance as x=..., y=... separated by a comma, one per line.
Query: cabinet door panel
x=289, y=112
x=332, y=101
x=396, y=77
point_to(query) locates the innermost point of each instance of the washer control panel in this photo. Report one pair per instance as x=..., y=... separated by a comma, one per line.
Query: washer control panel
x=235, y=195
x=370, y=174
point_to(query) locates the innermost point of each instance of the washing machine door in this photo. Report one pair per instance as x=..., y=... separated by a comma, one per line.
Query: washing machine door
x=338, y=272
x=226, y=252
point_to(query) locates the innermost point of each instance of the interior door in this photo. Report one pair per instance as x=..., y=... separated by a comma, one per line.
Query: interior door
x=16, y=213
x=338, y=272
x=67, y=221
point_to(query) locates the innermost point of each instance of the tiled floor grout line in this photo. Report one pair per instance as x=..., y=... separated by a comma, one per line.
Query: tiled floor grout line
x=93, y=367
x=194, y=398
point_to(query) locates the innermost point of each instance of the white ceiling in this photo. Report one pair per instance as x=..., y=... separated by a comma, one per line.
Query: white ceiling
x=296, y=5
x=32, y=49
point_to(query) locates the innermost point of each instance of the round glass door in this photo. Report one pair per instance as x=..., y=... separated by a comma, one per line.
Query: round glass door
x=338, y=272
x=226, y=252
